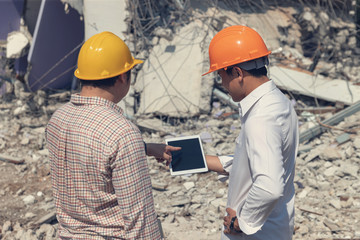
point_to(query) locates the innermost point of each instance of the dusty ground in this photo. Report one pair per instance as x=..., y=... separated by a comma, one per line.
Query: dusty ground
x=326, y=181
x=15, y=185
x=327, y=197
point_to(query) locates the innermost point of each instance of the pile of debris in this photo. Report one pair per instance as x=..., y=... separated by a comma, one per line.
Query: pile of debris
x=191, y=206
x=172, y=37
x=320, y=41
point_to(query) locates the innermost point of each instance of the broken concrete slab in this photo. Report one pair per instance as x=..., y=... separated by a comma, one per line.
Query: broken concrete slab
x=47, y=218
x=154, y=125
x=267, y=23
x=159, y=186
x=95, y=22
x=331, y=225
x=7, y=158
x=16, y=44
x=170, y=80
x=342, y=138
x=334, y=90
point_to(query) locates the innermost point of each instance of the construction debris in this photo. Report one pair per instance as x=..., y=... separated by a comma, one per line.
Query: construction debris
x=175, y=76
x=11, y=159
x=16, y=45
x=319, y=87
x=318, y=39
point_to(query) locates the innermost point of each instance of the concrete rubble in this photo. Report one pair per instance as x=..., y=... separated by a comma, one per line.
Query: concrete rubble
x=313, y=44
x=192, y=206
x=327, y=179
x=16, y=45
x=332, y=90
x=173, y=71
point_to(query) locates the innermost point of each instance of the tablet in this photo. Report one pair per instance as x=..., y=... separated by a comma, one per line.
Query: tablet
x=190, y=159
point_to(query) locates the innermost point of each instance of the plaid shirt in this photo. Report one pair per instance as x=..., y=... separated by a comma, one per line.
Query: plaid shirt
x=101, y=183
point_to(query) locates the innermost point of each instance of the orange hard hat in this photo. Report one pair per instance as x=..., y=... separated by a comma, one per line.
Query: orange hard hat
x=234, y=45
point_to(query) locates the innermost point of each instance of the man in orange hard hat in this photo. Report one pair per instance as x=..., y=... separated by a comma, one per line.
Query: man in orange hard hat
x=261, y=192
x=100, y=178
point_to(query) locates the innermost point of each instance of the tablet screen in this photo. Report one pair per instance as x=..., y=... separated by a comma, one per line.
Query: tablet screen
x=190, y=159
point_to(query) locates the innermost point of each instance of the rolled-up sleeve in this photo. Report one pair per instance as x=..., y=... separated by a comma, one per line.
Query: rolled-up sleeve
x=226, y=162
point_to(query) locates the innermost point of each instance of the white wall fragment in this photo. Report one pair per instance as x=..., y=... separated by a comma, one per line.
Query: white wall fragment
x=16, y=44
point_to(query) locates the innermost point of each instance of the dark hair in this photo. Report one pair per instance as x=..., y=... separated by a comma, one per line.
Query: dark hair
x=254, y=72
x=108, y=82
x=258, y=72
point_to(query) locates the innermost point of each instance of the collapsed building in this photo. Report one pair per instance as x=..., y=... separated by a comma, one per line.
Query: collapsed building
x=315, y=61
x=43, y=38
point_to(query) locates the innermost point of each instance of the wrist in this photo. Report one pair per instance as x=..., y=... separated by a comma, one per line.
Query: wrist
x=234, y=225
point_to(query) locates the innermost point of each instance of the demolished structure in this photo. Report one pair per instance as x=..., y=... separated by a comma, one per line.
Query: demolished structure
x=315, y=60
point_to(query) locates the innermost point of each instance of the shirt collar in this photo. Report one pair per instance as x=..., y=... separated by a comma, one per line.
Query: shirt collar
x=77, y=99
x=254, y=96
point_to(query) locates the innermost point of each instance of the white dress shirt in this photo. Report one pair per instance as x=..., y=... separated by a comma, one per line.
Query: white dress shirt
x=261, y=173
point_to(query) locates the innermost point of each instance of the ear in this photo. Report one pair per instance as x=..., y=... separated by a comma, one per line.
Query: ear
x=122, y=78
x=238, y=72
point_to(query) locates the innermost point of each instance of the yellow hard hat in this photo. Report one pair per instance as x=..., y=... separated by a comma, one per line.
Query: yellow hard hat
x=102, y=56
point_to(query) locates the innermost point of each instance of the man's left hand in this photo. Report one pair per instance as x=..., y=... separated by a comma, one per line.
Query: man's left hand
x=227, y=221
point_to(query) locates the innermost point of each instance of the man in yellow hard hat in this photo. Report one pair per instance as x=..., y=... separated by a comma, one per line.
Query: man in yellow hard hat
x=261, y=192
x=100, y=178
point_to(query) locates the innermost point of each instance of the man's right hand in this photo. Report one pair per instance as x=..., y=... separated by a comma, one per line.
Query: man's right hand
x=161, y=152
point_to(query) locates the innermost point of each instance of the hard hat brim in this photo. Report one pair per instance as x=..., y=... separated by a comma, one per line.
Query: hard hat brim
x=82, y=77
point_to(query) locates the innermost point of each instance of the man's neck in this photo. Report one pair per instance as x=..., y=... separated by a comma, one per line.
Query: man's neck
x=90, y=91
x=255, y=82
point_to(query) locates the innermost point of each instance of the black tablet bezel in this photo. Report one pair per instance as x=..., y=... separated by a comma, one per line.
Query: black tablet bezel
x=201, y=157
